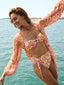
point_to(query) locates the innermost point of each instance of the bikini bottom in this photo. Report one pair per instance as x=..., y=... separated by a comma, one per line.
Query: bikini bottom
x=44, y=60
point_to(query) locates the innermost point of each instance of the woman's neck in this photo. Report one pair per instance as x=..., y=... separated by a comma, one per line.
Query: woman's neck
x=26, y=27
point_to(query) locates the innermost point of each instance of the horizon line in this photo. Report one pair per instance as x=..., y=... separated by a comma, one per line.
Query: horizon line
x=31, y=17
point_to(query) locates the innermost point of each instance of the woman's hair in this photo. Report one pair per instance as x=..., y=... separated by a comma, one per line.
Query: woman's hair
x=21, y=12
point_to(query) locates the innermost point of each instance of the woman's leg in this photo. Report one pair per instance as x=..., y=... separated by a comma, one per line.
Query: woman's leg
x=48, y=75
x=53, y=69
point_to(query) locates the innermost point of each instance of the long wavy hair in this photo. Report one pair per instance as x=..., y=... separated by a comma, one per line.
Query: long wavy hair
x=21, y=12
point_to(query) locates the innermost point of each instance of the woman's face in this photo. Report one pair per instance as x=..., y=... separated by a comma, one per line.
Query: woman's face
x=17, y=20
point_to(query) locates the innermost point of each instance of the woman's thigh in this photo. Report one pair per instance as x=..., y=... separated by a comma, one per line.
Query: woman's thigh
x=53, y=68
x=45, y=75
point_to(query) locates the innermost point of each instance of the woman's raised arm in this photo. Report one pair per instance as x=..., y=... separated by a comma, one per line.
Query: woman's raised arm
x=53, y=16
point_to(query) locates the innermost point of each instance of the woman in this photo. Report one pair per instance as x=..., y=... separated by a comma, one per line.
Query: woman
x=33, y=40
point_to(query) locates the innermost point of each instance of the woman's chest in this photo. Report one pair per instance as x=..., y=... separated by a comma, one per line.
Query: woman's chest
x=30, y=34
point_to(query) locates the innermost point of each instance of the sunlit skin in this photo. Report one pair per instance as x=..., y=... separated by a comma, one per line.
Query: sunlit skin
x=18, y=21
x=30, y=32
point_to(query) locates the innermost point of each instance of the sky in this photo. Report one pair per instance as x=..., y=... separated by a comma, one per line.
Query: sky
x=34, y=8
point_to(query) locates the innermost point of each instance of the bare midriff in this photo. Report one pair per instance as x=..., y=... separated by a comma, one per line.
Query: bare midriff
x=38, y=50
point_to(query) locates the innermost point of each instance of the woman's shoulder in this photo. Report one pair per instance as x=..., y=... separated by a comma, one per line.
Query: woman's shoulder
x=18, y=36
x=39, y=22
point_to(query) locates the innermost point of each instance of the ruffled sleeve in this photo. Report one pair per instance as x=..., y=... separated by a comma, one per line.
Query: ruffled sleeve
x=53, y=16
x=16, y=55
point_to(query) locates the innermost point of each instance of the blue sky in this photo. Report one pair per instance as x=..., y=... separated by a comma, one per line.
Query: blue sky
x=34, y=8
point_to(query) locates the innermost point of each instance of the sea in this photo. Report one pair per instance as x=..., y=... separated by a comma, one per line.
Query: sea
x=25, y=74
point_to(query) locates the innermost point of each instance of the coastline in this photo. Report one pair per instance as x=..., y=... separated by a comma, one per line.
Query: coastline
x=33, y=18
x=40, y=18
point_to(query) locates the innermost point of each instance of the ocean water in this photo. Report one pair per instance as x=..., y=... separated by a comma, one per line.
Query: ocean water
x=25, y=74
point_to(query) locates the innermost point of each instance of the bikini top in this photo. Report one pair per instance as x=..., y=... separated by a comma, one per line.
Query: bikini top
x=32, y=43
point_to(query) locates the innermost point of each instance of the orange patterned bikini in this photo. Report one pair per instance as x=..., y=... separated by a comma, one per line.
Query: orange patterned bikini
x=44, y=59
x=32, y=43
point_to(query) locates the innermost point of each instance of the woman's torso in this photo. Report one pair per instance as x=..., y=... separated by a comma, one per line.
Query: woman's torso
x=35, y=39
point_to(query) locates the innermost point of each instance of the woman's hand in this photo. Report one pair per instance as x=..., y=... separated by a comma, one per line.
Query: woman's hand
x=2, y=78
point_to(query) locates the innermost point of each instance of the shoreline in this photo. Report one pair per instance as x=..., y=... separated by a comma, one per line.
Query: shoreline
x=32, y=18
x=40, y=18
